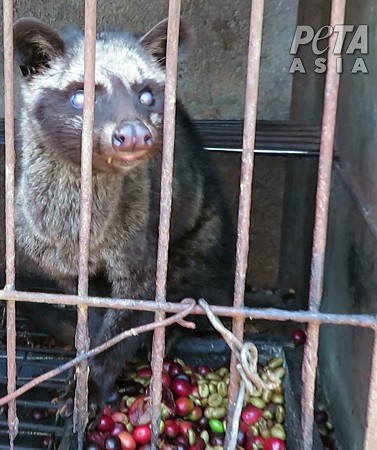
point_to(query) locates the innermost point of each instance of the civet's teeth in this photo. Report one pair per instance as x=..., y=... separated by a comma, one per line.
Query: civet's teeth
x=109, y=159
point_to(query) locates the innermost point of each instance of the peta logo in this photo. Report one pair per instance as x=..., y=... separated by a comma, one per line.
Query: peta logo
x=357, y=46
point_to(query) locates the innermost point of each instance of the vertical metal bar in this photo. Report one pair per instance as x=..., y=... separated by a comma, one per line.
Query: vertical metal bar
x=371, y=417
x=10, y=156
x=310, y=361
x=165, y=206
x=82, y=335
x=243, y=229
x=10, y=160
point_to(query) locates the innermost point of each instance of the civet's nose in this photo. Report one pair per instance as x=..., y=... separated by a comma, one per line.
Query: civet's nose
x=132, y=135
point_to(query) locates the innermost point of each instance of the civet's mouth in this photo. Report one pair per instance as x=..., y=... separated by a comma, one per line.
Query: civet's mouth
x=125, y=157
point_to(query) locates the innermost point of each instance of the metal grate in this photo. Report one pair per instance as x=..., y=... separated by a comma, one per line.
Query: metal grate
x=33, y=359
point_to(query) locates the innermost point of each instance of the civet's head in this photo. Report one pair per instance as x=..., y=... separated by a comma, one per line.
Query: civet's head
x=129, y=92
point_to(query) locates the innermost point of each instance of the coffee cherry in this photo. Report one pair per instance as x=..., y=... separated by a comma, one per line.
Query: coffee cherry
x=251, y=414
x=174, y=369
x=118, y=428
x=93, y=447
x=39, y=414
x=196, y=414
x=165, y=379
x=203, y=370
x=127, y=441
x=274, y=444
x=203, y=423
x=183, y=376
x=217, y=426
x=144, y=372
x=180, y=388
x=119, y=417
x=46, y=441
x=113, y=443
x=299, y=336
x=166, y=365
x=171, y=429
x=184, y=406
x=96, y=437
x=142, y=434
x=105, y=424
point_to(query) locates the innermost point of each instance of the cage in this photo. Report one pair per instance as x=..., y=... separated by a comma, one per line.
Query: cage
x=302, y=107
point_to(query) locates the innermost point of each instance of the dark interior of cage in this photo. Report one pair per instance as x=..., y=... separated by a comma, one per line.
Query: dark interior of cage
x=282, y=217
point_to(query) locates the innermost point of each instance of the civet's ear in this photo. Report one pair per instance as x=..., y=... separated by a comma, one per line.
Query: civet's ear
x=155, y=40
x=36, y=45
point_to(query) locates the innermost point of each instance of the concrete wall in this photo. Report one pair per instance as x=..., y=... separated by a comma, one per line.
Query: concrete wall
x=266, y=213
x=350, y=288
x=351, y=269
x=301, y=174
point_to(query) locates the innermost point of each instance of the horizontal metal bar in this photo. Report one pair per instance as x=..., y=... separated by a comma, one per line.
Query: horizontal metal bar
x=266, y=124
x=36, y=427
x=6, y=447
x=39, y=354
x=51, y=385
x=361, y=320
x=268, y=152
x=37, y=404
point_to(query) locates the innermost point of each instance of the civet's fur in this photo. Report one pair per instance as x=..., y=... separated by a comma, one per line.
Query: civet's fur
x=125, y=184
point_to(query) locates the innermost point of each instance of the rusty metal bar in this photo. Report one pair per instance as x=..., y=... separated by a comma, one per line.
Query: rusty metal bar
x=168, y=146
x=10, y=252
x=188, y=305
x=247, y=166
x=370, y=438
x=357, y=320
x=10, y=156
x=11, y=371
x=87, y=145
x=158, y=348
x=310, y=360
x=82, y=334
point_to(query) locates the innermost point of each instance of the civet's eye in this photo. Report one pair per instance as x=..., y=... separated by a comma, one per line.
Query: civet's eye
x=147, y=98
x=77, y=100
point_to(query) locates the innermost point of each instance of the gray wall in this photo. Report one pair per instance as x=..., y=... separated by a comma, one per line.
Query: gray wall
x=351, y=269
x=350, y=288
x=301, y=173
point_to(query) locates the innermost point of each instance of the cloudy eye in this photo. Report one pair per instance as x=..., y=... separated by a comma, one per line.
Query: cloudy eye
x=147, y=98
x=77, y=100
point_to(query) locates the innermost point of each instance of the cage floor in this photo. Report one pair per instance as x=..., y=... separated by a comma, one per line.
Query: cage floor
x=36, y=354
x=34, y=357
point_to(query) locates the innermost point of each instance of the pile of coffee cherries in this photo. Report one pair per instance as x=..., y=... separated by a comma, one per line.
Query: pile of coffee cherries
x=194, y=412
